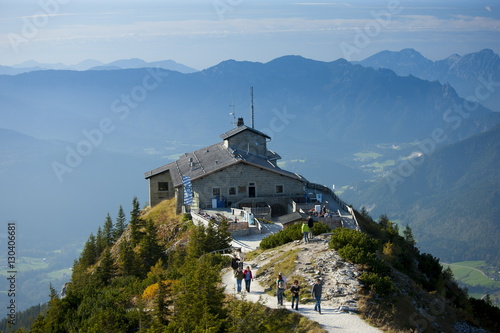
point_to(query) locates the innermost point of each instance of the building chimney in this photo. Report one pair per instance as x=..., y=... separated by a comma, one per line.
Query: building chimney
x=240, y=122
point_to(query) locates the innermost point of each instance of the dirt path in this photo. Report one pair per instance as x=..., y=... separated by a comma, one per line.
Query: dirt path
x=331, y=319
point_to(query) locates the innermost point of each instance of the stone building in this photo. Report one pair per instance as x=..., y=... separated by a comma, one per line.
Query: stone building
x=238, y=172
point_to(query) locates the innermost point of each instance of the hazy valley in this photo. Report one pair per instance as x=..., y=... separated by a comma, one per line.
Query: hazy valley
x=75, y=144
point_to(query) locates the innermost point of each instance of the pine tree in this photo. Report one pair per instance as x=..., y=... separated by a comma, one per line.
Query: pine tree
x=150, y=250
x=136, y=223
x=100, y=243
x=384, y=221
x=197, y=245
x=106, y=269
x=127, y=260
x=365, y=213
x=162, y=304
x=121, y=224
x=55, y=315
x=108, y=231
x=222, y=237
x=89, y=253
x=38, y=325
x=408, y=235
x=199, y=297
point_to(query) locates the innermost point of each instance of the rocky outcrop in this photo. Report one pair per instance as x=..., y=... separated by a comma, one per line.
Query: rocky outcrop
x=316, y=260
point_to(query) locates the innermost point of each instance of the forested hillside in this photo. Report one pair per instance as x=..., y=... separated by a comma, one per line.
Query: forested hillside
x=155, y=274
x=451, y=199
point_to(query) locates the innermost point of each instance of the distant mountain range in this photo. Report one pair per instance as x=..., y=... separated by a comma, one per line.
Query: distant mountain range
x=90, y=64
x=323, y=118
x=475, y=76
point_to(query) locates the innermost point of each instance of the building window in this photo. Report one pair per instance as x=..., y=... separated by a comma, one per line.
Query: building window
x=232, y=190
x=279, y=188
x=242, y=189
x=162, y=186
x=215, y=191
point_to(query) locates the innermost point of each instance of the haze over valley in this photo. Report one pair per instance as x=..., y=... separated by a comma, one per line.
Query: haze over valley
x=394, y=104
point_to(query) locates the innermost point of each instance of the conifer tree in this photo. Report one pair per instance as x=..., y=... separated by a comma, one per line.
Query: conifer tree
x=121, y=224
x=108, y=231
x=100, y=243
x=126, y=259
x=384, y=221
x=199, y=297
x=365, y=213
x=408, y=235
x=135, y=222
x=38, y=325
x=223, y=237
x=89, y=253
x=162, y=311
x=106, y=269
x=197, y=245
x=150, y=250
x=55, y=316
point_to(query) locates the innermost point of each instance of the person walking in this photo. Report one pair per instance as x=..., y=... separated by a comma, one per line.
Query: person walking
x=280, y=289
x=235, y=262
x=238, y=274
x=316, y=291
x=295, y=290
x=240, y=255
x=310, y=222
x=305, y=231
x=248, y=278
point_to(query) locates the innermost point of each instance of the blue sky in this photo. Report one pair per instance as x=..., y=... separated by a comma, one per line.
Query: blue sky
x=201, y=34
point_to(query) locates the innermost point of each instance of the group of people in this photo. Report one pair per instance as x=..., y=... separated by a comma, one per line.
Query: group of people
x=316, y=291
x=324, y=212
x=239, y=274
x=246, y=275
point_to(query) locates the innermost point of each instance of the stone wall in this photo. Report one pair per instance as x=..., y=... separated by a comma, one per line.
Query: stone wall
x=248, y=141
x=155, y=195
x=237, y=179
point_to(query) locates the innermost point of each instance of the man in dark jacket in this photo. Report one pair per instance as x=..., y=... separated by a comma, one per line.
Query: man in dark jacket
x=310, y=222
x=316, y=291
x=235, y=262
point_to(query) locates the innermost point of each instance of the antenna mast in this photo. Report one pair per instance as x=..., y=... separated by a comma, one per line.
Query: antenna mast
x=251, y=108
x=233, y=114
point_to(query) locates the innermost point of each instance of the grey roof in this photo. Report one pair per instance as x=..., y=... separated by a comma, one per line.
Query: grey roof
x=292, y=217
x=240, y=129
x=205, y=161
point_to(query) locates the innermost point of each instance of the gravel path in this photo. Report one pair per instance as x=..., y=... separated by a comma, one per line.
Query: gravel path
x=330, y=319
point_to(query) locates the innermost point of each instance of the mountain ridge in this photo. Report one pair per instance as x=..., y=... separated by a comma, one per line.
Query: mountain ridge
x=474, y=75
x=91, y=64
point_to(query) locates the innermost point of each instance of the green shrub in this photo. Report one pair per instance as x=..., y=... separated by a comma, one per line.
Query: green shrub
x=320, y=228
x=287, y=235
x=342, y=237
x=381, y=285
x=359, y=248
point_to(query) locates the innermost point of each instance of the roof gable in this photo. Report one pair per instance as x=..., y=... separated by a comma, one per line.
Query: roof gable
x=240, y=129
